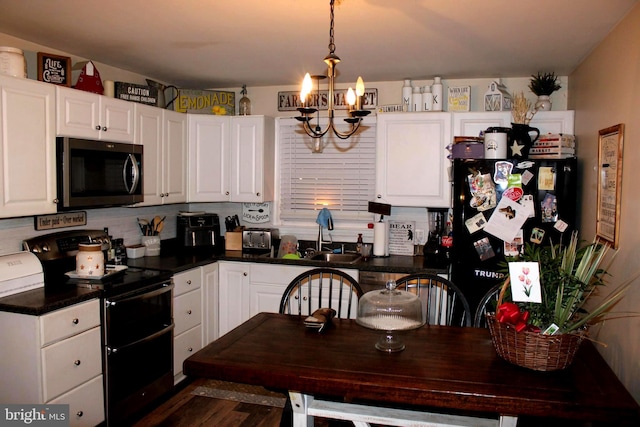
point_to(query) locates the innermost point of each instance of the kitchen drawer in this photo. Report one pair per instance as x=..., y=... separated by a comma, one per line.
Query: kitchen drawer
x=69, y=321
x=184, y=346
x=86, y=403
x=187, y=281
x=187, y=311
x=69, y=363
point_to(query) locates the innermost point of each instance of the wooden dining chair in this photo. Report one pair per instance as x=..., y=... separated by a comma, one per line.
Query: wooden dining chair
x=487, y=304
x=443, y=302
x=320, y=288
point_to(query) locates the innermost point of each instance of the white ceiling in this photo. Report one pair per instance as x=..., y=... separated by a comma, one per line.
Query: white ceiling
x=221, y=43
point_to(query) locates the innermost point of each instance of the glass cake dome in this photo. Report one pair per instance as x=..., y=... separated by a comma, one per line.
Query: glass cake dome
x=390, y=310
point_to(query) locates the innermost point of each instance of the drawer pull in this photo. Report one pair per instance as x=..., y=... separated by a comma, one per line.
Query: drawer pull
x=188, y=282
x=75, y=321
x=190, y=349
x=188, y=311
x=77, y=362
x=79, y=413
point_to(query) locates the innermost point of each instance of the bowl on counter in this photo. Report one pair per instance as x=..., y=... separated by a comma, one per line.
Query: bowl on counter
x=136, y=251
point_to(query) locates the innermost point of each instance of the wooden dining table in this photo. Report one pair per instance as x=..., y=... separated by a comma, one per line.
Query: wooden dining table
x=443, y=368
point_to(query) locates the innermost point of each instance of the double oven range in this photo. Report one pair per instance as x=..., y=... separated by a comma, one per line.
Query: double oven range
x=137, y=322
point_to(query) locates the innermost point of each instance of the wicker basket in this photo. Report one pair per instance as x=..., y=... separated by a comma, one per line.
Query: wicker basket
x=531, y=349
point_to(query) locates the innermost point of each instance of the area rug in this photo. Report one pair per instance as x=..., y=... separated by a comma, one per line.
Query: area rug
x=240, y=393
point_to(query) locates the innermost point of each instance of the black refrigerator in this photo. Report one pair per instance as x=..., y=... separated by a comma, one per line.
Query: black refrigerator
x=547, y=188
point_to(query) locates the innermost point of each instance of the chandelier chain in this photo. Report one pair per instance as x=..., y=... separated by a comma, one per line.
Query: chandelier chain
x=332, y=46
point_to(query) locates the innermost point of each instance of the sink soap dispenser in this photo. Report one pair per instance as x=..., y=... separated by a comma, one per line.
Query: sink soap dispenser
x=359, y=243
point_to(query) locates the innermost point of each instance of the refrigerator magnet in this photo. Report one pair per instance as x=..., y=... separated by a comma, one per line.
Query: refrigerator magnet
x=507, y=220
x=484, y=249
x=527, y=202
x=502, y=172
x=514, y=247
x=526, y=177
x=546, y=178
x=537, y=235
x=475, y=223
x=549, y=208
x=561, y=226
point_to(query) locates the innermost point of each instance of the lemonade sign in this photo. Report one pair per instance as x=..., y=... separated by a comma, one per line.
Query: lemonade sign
x=206, y=102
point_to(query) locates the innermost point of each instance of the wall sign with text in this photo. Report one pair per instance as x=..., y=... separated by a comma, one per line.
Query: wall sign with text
x=54, y=69
x=290, y=101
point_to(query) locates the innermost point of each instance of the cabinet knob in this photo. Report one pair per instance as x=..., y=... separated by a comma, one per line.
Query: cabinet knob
x=75, y=321
x=104, y=128
x=188, y=311
x=79, y=413
x=379, y=196
x=258, y=194
x=226, y=193
x=77, y=362
x=56, y=201
x=245, y=274
x=188, y=282
x=98, y=127
x=190, y=349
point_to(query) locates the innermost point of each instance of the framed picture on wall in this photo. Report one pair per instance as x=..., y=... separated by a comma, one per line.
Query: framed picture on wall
x=610, y=144
x=54, y=69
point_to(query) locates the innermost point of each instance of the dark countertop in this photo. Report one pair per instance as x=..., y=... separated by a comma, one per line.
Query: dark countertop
x=37, y=302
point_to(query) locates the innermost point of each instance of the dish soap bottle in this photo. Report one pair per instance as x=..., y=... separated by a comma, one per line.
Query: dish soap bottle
x=359, y=243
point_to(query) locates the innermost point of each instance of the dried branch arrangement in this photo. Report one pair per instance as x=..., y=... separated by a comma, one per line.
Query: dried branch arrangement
x=521, y=109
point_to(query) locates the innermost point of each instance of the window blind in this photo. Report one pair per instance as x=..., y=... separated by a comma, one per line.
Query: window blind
x=341, y=178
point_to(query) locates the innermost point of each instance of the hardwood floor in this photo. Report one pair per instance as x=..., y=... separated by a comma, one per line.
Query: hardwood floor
x=190, y=410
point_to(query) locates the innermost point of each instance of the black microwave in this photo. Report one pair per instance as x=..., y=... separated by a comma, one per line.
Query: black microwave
x=92, y=174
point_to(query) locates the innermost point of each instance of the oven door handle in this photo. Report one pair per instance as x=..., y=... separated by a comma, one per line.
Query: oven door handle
x=135, y=172
x=145, y=339
x=140, y=294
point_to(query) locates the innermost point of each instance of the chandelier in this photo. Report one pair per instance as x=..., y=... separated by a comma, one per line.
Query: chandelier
x=354, y=100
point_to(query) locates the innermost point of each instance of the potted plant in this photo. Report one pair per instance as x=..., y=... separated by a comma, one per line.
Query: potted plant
x=543, y=85
x=545, y=336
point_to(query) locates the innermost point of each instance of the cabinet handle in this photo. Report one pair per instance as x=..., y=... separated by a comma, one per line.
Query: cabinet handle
x=379, y=196
x=258, y=194
x=190, y=349
x=98, y=127
x=245, y=274
x=56, y=201
x=75, y=321
x=79, y=413
x=104, y=128
x=188, y=282
x=226, y=193
x=188, y=311
x=77, y=362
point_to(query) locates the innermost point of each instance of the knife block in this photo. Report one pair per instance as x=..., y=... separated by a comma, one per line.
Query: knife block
x=233, y=241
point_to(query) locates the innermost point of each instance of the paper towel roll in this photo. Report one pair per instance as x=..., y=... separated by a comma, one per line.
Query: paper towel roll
x=380, y=238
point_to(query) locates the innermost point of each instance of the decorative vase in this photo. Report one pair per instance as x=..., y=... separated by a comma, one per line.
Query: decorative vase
x=520, y=141
x=543, y=103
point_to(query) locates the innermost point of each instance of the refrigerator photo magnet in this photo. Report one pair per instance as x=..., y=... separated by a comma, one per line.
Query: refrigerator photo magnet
x=549, y=208
x=484, y=249
x=502, y=172
x=475, y=223
x=546, y=178
x=483, y=192
x=514, y=247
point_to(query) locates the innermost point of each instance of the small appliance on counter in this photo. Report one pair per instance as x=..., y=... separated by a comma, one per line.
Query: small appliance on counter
x=199, y=229
x=259, y=240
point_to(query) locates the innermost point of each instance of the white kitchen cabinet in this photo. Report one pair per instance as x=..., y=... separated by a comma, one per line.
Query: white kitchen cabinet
x=412, y=168
x=59, y=360
x=27, y=147
x=231, y=158
x=233, y=294
x=163, y=134
x=187, y=314
x=269, y=281
x=210, y=289
x=82, y=114
x=471, y=124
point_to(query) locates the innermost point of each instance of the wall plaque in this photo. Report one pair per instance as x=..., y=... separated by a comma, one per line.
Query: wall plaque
x=60, y=220
x=54, y=69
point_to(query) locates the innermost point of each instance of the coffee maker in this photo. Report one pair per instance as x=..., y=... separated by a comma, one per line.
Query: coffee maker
x=199, y=229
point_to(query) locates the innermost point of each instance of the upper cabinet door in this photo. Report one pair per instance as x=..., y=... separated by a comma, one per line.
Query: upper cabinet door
x=411, y=159
x=209, y=155
x=83, y=114
x=175, y=157
x=149, y=128
x=27, y=148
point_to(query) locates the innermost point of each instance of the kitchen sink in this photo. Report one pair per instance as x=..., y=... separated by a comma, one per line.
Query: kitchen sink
x=336, y=258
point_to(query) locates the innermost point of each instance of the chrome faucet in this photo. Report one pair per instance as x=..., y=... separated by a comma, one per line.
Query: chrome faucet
x=324, y=220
